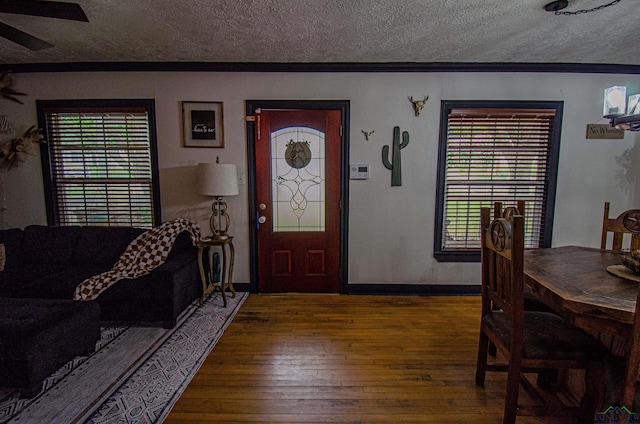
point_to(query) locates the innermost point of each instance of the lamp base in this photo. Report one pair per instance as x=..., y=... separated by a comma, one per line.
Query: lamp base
x=216, y=237
x=219, y=219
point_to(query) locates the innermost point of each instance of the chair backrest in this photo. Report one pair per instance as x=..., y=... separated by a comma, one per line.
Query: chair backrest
x=505, y=213
x=503, y=266
x=627, y=222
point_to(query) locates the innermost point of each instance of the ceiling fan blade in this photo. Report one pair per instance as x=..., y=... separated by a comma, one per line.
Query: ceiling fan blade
x=49, y=9
x=22, y=38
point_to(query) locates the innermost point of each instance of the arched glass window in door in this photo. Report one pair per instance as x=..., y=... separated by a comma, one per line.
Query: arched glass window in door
x=298, y=179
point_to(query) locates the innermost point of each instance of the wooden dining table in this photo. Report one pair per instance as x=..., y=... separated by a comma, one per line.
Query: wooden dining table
x=575, y=283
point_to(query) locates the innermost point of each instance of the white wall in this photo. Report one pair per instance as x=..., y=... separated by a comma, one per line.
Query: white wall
x=391, y=228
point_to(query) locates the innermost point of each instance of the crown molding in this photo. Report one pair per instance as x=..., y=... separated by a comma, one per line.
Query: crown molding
x=320, y=67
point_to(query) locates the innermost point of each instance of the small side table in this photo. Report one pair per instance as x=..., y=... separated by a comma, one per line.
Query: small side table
x=226, y=275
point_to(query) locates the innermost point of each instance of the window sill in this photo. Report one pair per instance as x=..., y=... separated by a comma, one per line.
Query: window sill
x=457, y=256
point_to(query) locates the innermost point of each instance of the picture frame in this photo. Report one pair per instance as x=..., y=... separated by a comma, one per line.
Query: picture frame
x=202, y=124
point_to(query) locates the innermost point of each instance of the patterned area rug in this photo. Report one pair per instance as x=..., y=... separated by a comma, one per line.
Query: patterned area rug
x=135, y=376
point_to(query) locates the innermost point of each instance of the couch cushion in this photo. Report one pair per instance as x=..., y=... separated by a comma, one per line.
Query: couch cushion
x=49, y=245
x=62, y=284
x=136, y=288
x=12, y=240
x=3, y=257
x=181, y=243
x=103, y=245
x=38, y=336
x=159, y=284
x=55, y=284
x=32, y=315
x=23, y=282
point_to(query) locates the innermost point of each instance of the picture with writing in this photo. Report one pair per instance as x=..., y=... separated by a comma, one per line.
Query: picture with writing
x=202, y=124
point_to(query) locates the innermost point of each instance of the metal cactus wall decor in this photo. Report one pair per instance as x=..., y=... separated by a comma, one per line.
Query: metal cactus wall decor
x=395, y=165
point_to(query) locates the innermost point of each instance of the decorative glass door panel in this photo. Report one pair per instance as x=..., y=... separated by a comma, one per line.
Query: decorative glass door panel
x=298, y=179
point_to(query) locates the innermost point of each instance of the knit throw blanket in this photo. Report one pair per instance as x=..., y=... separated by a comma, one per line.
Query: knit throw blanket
x=148, y=251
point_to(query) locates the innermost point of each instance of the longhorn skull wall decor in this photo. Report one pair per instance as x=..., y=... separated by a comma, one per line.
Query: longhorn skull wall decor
x=418, y=104
x=367, y=134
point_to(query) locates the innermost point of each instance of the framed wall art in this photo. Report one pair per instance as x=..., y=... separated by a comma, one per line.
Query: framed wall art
x=202, y=124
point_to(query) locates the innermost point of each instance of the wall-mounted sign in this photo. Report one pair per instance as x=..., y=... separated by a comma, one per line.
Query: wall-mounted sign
x=603, y=131
x=202, y=124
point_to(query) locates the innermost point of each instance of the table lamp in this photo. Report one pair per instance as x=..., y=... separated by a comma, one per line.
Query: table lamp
x=218, y=180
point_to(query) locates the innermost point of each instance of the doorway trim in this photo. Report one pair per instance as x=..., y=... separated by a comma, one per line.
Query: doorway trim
x=344, y=107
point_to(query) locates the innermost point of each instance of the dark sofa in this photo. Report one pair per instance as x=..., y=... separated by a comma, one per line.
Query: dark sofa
x=38, y=336
x=48, y=262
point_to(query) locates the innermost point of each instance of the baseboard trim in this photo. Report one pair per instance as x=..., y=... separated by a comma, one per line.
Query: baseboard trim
x=414, y=289
x=394, y=289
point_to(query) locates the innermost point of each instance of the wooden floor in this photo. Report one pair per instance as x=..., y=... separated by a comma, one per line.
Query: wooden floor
x=346, y=359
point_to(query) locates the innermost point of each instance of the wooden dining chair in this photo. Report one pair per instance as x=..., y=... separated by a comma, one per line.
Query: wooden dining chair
x=531, y=302
x=527, y=341
x=626, y=225
x=546, y=378
x=632, y=368
x=499, y=212
x=627, y=222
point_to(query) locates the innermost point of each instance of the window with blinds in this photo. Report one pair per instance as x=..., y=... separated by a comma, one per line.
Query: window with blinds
x=492, y=152
x=101, y=164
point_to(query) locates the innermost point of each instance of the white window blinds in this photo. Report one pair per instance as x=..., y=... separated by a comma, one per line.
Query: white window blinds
x=495, y=155
x=101, y=170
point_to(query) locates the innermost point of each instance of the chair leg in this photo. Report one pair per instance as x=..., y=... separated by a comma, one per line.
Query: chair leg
x=481, y=363
x=513, y=388
x=594, y=395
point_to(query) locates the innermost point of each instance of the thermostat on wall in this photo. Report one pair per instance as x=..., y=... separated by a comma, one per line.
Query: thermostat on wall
x=359, y=172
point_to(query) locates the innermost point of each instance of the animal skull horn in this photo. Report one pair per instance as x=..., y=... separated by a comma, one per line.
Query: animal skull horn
x=418, y=104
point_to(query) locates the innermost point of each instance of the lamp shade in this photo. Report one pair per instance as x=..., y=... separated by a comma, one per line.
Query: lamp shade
x=217, y=179
x=633, y=105
x=615, y=101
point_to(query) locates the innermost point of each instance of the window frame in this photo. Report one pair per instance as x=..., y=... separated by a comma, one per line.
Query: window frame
x=42, y=106
x=473, y=255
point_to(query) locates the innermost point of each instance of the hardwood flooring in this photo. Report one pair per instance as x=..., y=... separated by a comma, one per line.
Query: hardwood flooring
x=347, y=359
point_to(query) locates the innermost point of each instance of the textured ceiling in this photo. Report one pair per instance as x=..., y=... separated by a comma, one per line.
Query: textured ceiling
x=376, y=31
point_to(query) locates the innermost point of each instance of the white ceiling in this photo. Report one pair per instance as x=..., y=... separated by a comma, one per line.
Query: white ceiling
x=368, y=31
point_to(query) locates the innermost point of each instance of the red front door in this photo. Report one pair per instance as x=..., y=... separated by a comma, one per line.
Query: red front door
x=298, y=193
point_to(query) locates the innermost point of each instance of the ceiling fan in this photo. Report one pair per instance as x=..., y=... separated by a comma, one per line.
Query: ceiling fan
x=47, y=9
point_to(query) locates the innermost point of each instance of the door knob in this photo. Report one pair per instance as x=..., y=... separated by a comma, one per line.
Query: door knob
x=262, y=206
x=262, y=219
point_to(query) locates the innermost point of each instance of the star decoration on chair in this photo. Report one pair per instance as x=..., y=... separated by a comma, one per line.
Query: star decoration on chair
x=631, y=221
x=498, y=235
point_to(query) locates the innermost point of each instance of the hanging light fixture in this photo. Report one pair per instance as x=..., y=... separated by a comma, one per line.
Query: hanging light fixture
x=621, y=112
x=557, y=7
